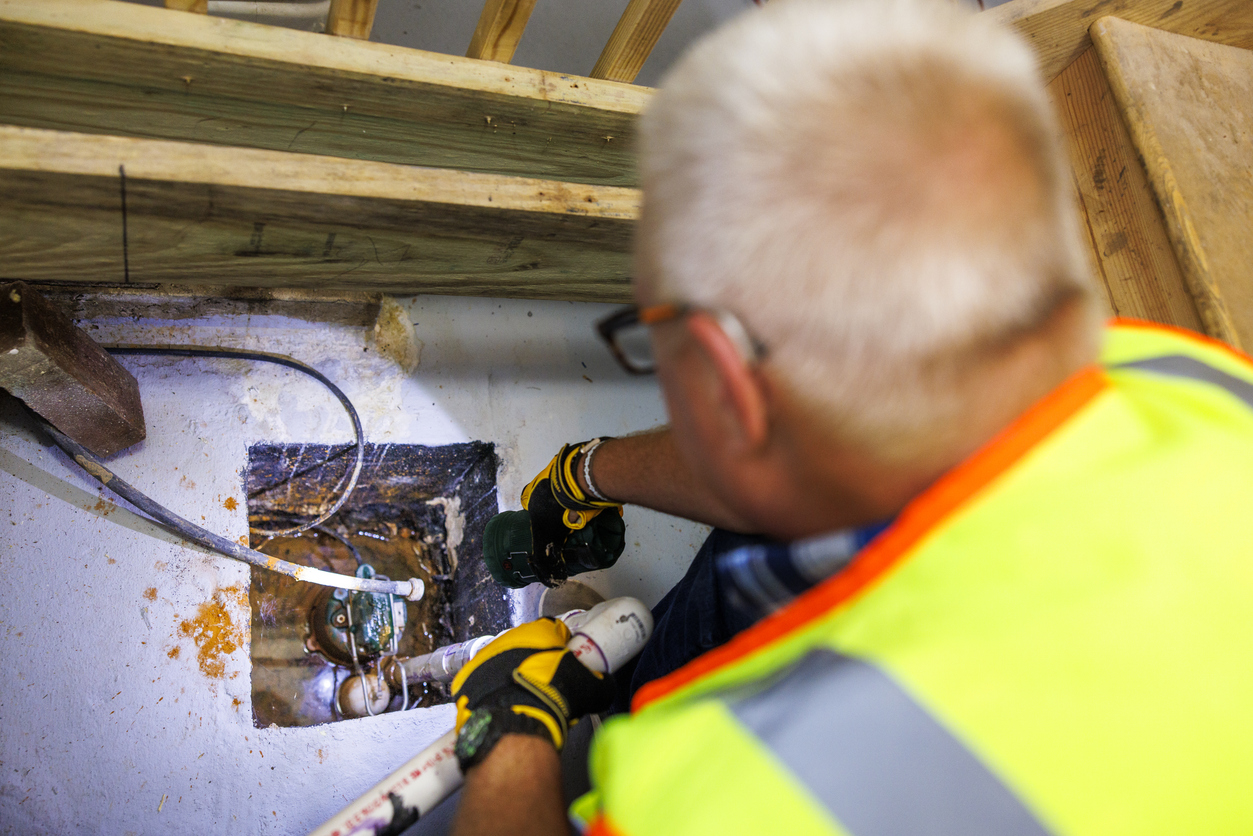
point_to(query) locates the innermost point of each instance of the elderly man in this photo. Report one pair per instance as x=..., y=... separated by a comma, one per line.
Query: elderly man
x=1004, y=590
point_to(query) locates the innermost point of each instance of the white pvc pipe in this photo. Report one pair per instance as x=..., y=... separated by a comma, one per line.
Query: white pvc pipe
x=605, y=638
x=442, y=664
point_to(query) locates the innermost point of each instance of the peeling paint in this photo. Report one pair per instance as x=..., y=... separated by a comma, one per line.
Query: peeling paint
x=395, y=337
x=454, y=526
x=101, y=473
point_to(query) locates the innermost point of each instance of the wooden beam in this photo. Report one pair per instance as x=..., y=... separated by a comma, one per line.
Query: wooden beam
x=102, y=66
x=633, y=39
x=351, y=18
x=1131, y=252
x=1188, y=105
x=499, y=29
x=62, y=374
x=203, y=214
x=1058, y=29
x=198, y=6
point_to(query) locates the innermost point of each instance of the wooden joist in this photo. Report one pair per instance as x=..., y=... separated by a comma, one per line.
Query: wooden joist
x=351, y=18
x=203, y=214
x=1058, y=29
x=197, y=6
x=102, y=66
x=1188, y=105
x=633, y=39
x=499, y=29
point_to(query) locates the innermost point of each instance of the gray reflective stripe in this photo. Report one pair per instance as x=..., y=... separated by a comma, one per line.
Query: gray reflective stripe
x=1177, y=365
x=874, y=757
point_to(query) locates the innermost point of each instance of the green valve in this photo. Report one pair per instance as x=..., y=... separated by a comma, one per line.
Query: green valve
x=364, y=625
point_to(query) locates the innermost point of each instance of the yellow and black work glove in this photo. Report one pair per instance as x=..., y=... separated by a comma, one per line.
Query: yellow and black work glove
x=557, y=506
x=524, y=682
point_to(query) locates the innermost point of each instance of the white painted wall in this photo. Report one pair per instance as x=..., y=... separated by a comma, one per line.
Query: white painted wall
x=99, y=722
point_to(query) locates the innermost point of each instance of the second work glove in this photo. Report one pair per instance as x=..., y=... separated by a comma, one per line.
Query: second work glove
x=524, y=682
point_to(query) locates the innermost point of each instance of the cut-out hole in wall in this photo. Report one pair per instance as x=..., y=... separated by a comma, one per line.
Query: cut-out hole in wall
x=417, y=511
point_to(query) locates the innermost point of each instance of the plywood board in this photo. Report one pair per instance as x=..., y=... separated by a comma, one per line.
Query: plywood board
x=103, y=66
x=1131, y=251
x=1189, y=108
x=1058, y=29
x=201, y=214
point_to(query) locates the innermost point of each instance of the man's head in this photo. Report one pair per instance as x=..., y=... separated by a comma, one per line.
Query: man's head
x=875, y=188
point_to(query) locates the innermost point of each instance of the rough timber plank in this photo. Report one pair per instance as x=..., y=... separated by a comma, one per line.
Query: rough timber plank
x=201, y=214
x=197, y=6
x=102, y=66
x=633, y=39
x=351, y=18
x=1131, y=250
x=1058, y=29
x=1189, y=107
x=60, y=373
x=499, y=29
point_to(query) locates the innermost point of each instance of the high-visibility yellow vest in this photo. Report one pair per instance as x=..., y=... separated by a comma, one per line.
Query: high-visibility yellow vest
x=1055, y=638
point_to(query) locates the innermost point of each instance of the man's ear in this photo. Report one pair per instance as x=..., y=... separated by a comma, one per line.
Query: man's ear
x=741, y=389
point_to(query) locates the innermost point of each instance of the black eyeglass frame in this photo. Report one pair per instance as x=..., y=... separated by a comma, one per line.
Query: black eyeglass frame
x=751, y=349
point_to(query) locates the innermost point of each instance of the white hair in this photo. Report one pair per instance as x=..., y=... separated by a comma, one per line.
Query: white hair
x=877, y=189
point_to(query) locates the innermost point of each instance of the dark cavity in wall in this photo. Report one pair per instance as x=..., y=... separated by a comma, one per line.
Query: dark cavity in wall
x=416, y=512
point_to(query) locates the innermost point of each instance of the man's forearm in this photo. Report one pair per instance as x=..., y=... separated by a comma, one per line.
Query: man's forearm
x=647, y=470
x=516, y=790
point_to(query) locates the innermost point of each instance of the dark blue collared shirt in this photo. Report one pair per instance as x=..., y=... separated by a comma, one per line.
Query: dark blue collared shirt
x=758, y=579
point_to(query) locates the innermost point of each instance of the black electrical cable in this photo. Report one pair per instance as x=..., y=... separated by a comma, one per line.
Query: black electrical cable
x=317, y=529
x=411, y=589
x=335, y=535
x=281, y=360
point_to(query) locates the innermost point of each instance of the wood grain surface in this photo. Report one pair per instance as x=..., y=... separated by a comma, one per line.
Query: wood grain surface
x=1131, y=251
x=351, y=18
x=633, y=39
x=202, y=214
x=1189, y=108
x=102, y=66
x=1058, y=29
x=499, y=29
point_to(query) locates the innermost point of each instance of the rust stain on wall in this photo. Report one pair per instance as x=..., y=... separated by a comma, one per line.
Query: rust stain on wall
x=215, y=632
x=151, y=593
x=230, y=504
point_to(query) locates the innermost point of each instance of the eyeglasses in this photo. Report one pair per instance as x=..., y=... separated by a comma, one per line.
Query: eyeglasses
x=627, y=333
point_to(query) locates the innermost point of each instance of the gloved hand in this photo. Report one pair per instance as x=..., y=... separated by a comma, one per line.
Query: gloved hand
x=524, y=682
x=558, y=505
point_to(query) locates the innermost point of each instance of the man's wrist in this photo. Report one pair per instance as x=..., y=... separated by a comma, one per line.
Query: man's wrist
x=583, y=472
x=487, y=727
x=512, y=743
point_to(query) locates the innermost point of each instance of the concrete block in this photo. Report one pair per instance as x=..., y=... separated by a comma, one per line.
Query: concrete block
x=62, y=374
